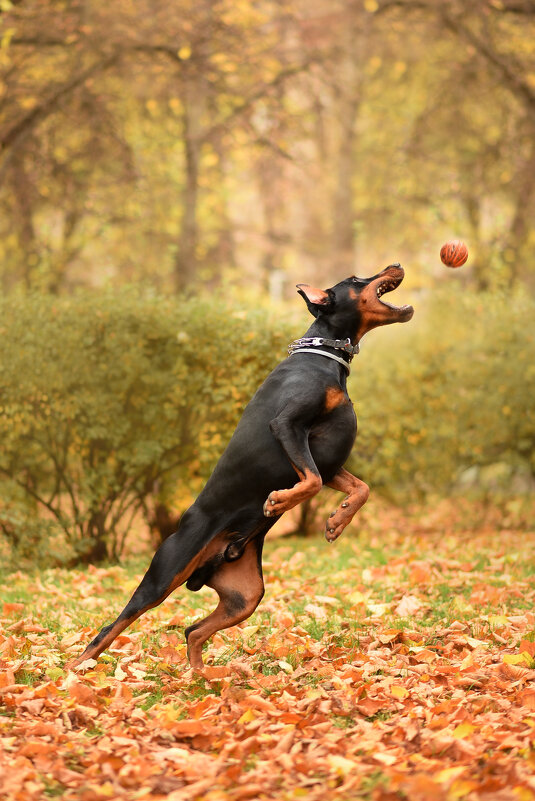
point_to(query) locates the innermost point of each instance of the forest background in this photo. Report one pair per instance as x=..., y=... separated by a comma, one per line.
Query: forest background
x=168, y=172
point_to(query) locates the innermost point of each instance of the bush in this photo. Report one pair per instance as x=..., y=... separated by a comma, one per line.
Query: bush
x=105, y=397
x=448, y=396
x=102, y=396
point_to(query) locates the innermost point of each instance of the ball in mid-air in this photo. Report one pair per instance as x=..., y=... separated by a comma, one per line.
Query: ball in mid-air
x=454, y=253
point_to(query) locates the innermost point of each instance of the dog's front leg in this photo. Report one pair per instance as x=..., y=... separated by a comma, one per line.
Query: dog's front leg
x=357, y=495
x=294, y=441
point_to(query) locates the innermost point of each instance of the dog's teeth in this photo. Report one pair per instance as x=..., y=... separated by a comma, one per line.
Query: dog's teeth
x=345, y=505
x=273, y=503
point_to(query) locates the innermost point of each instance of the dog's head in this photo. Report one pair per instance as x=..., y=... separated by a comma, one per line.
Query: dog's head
x=355, y=304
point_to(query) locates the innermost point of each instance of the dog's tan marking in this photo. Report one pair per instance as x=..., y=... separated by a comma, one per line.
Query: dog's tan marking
x=335, y=396
x=240, y=587
x=280, y=501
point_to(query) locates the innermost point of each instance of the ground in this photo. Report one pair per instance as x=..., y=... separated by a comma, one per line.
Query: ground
x=397, y=663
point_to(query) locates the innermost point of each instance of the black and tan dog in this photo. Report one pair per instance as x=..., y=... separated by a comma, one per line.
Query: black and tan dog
x=300, y=423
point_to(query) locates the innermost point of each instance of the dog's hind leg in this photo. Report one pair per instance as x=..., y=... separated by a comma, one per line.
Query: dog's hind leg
x=240, y=587
x=171, y=566
x=357, y=495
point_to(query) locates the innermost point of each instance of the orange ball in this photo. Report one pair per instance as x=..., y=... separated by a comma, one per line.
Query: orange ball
x=454, y=253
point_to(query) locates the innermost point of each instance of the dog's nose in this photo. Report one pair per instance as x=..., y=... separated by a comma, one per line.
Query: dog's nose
x=396, y=264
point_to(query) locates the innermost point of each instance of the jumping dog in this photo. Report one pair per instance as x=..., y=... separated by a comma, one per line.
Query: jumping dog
x=299, y=424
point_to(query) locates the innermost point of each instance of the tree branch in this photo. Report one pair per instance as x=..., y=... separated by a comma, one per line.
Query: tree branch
x=511, y=73
x=258, y=94
x=527, y=7
x=30, y=120
x=41, y=41
x=51, y=508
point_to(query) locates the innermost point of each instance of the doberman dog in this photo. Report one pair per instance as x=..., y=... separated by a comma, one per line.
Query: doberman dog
x=299, y=423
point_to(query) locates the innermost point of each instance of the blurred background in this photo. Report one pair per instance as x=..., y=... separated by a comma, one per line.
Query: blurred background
x=169, y=171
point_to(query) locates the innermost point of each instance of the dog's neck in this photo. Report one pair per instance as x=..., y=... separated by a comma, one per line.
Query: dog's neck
x=321, y=340
x=332, y=329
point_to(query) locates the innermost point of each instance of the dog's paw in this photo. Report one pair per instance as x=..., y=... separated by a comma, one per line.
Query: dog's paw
x=332, y=533
x=269, y=506
x=277, y=503
x=337, y=522
x=280, y=501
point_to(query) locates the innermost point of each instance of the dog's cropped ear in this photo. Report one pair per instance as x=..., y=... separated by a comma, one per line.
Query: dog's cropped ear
x=316, y=299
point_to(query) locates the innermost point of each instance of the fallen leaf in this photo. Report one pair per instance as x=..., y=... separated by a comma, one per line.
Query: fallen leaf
x=340, y=764
x=463, y=730
x=512, y=672
x=247, y=716
x=315, y=611
x=285, y=666
x=119, y=674
x=396, y=691
x=523, y=659
x=72, y=639
x=408, y=606
x=527, y=698
x=12, y=608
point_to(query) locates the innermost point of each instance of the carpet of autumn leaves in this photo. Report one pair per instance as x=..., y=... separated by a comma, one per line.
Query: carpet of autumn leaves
x=396, y=664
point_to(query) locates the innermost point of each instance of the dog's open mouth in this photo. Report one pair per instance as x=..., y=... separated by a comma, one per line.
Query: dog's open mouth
x=387, y=284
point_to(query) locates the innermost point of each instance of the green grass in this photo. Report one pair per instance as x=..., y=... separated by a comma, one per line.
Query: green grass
x=334, y=571
x=328, y=642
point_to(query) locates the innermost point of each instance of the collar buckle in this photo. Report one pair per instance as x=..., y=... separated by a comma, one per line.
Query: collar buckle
x=346, y=346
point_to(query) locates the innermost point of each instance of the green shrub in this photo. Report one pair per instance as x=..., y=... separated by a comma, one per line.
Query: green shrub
x=447, y=395
x=103, y=396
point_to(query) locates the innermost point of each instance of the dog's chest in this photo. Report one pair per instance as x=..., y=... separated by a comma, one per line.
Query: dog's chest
x=332, y=437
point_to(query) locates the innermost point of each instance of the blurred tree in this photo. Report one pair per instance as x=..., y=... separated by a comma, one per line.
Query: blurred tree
x=486, y=104
x=180, y=143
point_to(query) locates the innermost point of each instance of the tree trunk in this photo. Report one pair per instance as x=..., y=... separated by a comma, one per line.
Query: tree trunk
x=306, y=525
x=480, y=266
x=343, y=206
x=348, y=102
x=23, y=192
x=96, y=549
x=521, y=223
x=186, y=258
x=163, y=522
x=224, y=252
